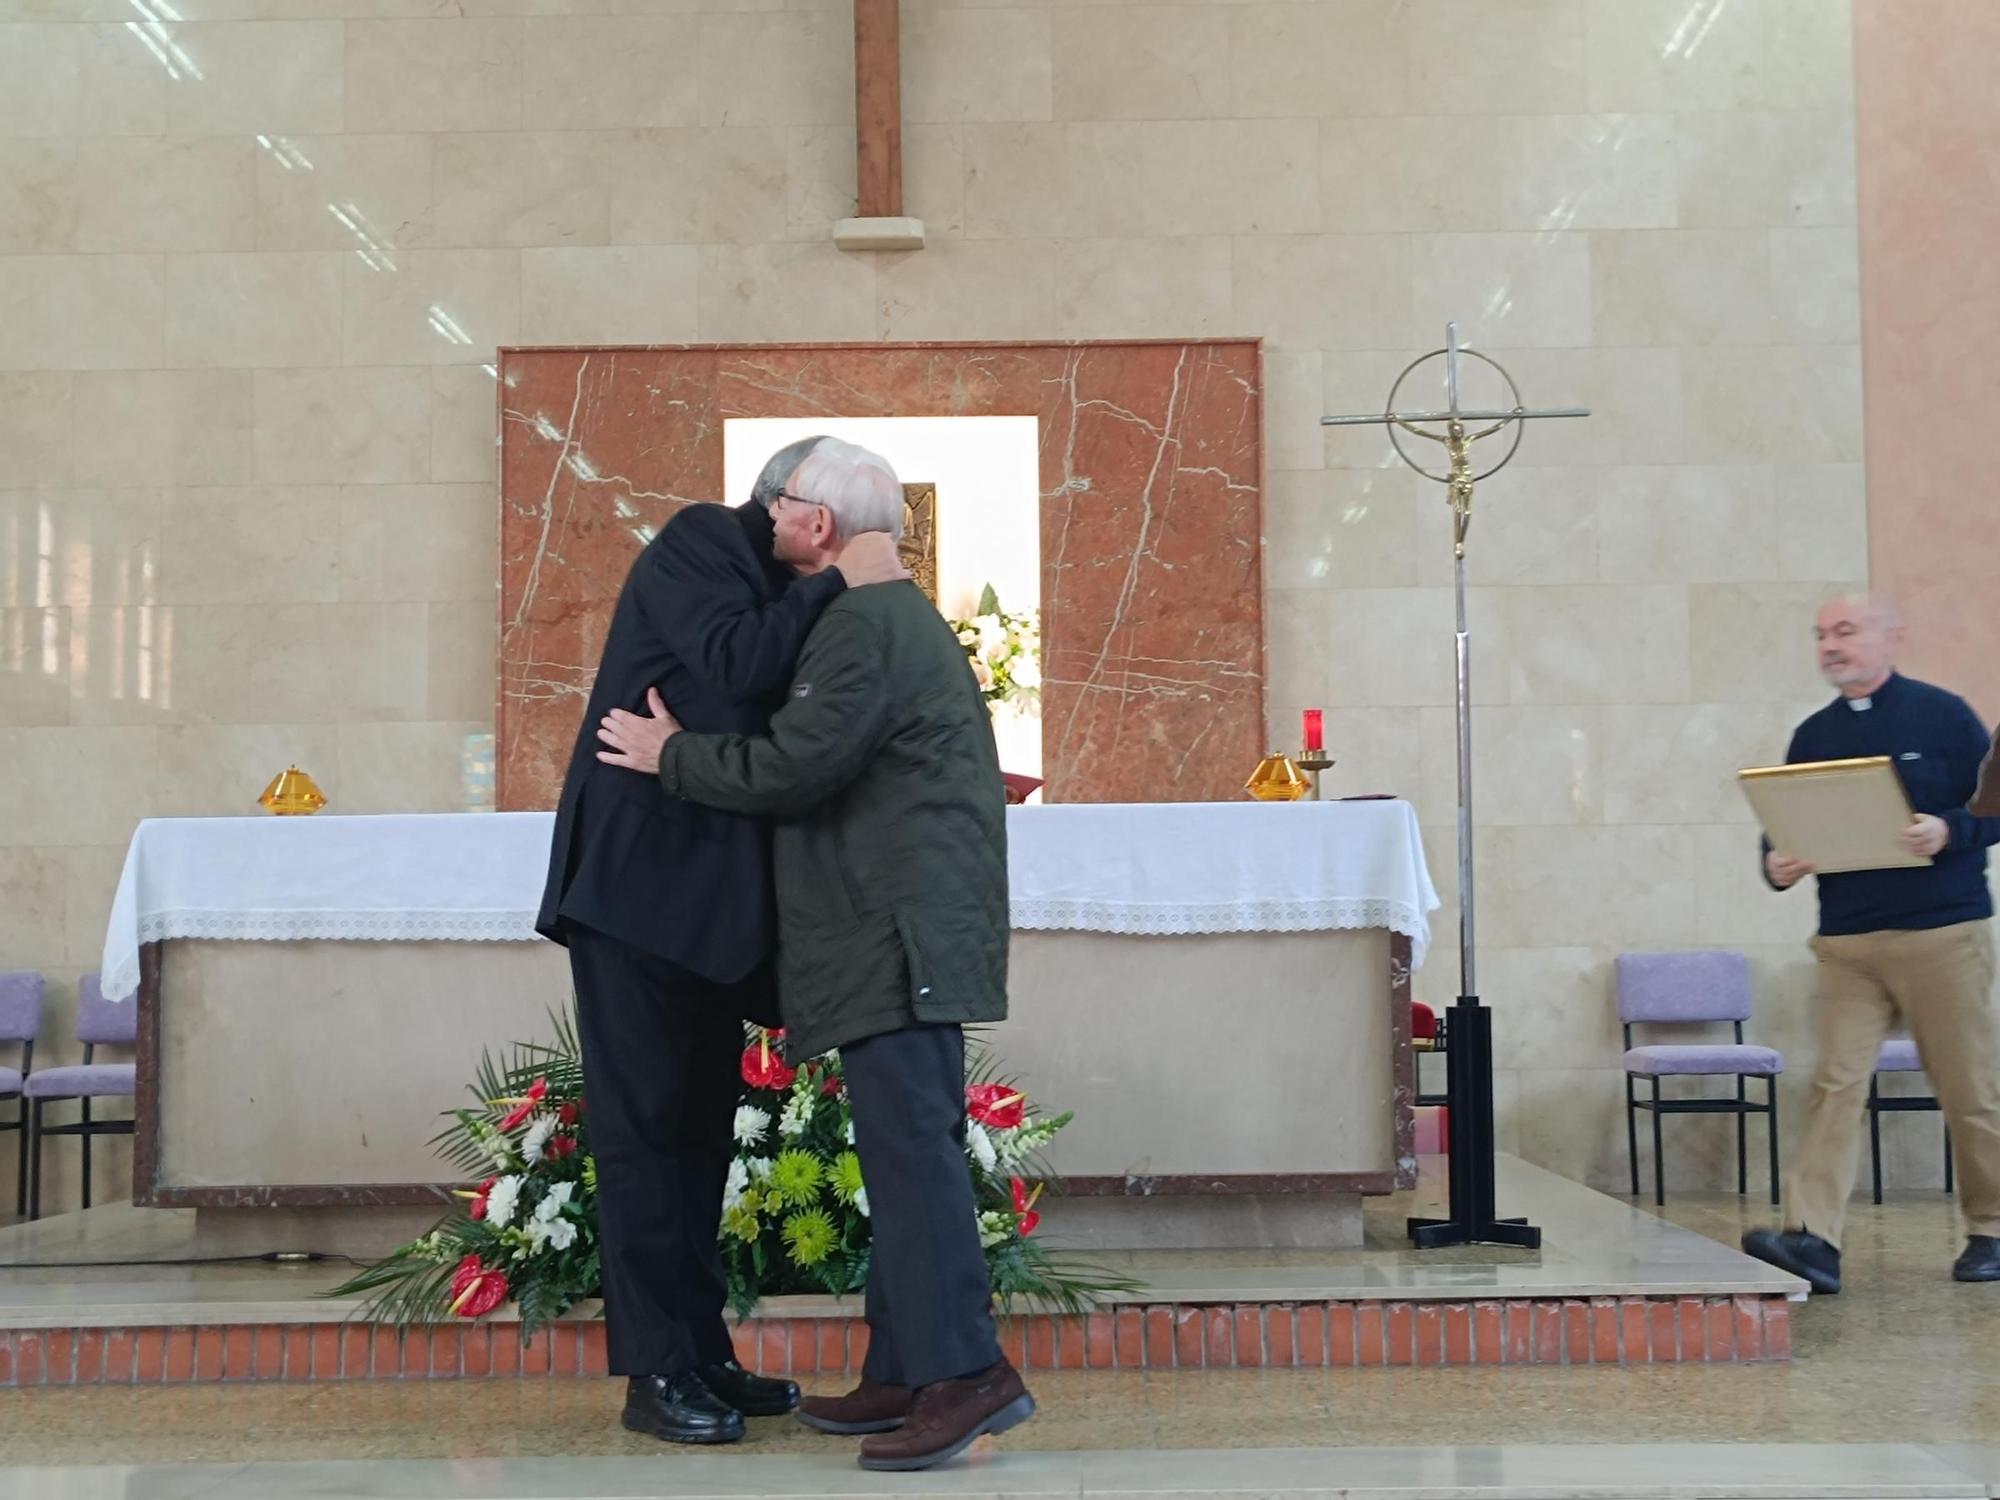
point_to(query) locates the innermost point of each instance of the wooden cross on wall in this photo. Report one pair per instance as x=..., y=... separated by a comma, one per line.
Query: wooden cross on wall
x=879, y=222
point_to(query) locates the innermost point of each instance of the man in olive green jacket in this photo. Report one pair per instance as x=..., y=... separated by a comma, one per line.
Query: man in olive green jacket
x=889, y=848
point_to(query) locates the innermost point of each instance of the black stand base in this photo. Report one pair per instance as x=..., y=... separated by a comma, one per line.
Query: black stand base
x=1468, y=1050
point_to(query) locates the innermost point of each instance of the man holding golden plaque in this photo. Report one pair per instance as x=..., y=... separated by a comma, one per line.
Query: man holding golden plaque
x=1872, y=801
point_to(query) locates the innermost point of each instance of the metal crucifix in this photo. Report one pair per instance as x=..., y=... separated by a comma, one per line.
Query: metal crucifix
x=1469, y=1027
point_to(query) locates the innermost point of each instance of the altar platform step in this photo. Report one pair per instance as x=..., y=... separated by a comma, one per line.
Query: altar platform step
x=1612, y=1286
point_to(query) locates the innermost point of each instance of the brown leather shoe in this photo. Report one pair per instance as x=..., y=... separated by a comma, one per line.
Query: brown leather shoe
x=870, y=1407
x=945, y=1419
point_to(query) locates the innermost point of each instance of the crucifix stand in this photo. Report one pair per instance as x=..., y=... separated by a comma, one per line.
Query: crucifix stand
x=1469, y=1027
x=879, y=222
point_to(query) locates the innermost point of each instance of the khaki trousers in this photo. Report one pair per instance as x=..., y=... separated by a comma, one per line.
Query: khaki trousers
x=1939, y=983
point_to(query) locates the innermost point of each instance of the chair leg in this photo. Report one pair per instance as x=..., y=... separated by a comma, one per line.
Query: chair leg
x=1947, y=1159
x=1659, y=1153
x=1773, y=1117
x=1875, y=1134
x=35, y=1155
x=21, y=1176
x=1742, y=1138
x=1632, y=1132
x=86, y=1153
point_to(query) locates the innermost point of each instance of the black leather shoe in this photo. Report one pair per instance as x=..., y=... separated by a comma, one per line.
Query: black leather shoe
x=1797, y=1251
x=1979, y=1261
x=680, y=1409
x=753, y=1395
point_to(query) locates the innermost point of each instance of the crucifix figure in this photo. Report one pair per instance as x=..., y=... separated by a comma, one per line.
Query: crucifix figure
x=1469, y=1024
x=879, y=222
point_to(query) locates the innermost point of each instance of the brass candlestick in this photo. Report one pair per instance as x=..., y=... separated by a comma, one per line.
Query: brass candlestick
x=1312, y=762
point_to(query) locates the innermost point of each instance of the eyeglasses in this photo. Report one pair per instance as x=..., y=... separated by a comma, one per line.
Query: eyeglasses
x=795, y=499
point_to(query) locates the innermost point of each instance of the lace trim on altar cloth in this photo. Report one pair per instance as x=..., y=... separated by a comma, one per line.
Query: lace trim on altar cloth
x=400, y=926
x=1256, y=914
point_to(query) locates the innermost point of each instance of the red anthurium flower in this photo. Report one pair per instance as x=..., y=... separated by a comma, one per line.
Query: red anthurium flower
x=831, y=1088
x=476, y=1291
x=523, y=1105
x=477, y=1208
x=568, y=1114
x=763, y=1068
x=560, y=1146
x=1024, y=1206
x=995, y=1104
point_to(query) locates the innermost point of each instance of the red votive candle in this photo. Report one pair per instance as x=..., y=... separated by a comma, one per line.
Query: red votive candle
x=1314, y=729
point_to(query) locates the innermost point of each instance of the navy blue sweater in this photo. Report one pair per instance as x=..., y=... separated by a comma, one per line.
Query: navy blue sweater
x=1937, y=743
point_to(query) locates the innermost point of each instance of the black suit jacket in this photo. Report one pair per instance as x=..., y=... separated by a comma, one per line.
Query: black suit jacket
x=711, y=620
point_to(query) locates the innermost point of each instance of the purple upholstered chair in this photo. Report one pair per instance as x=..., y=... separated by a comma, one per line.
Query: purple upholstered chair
x=1685, y=989
x=20, y=1020
x=1898, y=1055
x=99, y=1023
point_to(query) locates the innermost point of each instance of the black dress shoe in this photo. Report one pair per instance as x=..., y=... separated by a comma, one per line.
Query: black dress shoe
x=1979, y=1261
x=753, y=1395
x=1797, y=1251
x=680, y=1409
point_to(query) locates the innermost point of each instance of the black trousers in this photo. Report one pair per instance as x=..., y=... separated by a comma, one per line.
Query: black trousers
x=660, y=1050
x=929, y=1302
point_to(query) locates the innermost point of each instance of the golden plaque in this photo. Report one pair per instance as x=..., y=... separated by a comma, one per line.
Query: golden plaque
x=1836, y=815
x=292, y=794
x=917, y=551
x=1276, y=779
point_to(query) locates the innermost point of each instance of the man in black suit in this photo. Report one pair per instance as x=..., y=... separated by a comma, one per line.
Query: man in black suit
x=666, y=910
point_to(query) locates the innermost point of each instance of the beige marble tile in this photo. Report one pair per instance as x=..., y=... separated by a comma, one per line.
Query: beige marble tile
x=40, y=196
x=1358, y=382
x=435, y=75
x=1672, y=55
x=411, y=543
x=777, y=69
x=78, y=548
x=600, y=72
x=385, y=768
x=1152, y=288
x=39, y=77
x=122, y=86
x=123, y=668
x=1599, y=644
x=1373, y=750
x=1329, y=57
x=1677, y=763
x=1687, y=525
x=1685, y=287
x=34, y=428
x=1142, y=63
x=820, y=171
x=1295, y=646
x=256, y=76
x=980, y=64
x=1530, y=525
x=1734, y=907
x=1323, y=292
x=139, y=427
x=31, y=915
x=1552, y=1008
x=934, y=176
x=368, y=194
x=1294, y=401
x=523, y=188
x=1505, y=290
x=464, y=425
x=1636, y=400
x=785, y=291
x=253, y=310
x=1771, y=406
x=74, y=785
x=463, y=644
x=1543, y=766
x=1393, y=648
x=352, y=426
x=1579, y=887
x=1572, y=1122
x=1341, y=529
x=90, y=880
x=249, y=546
x=1816, y=278
x=1752, y=642
x=727, y=184
x=147, y=194
x=1822, y=516
x=970, y=289
x=81, y=312
x=1469, y=57
x=1744, y=170
x=219, y=770
x=342, y=663
x=627, y=294
x=433, y=307
x=34, y=666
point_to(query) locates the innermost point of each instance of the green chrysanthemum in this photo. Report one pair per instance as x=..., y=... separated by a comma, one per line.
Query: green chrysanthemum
x=590, y=1174
x=795, y=1179
x=846, y=1177
x=810, y=1236
x=742, y=1221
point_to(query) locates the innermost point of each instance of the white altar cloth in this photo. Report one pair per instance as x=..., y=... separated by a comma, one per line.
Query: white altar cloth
x=1142, y=868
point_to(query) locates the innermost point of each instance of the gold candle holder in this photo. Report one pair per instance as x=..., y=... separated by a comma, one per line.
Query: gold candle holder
x=1276, y=779
x=1312, y=762
x=292, y=794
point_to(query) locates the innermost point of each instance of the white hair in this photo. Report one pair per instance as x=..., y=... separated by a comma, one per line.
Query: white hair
x=779, y=466
x=856, y=485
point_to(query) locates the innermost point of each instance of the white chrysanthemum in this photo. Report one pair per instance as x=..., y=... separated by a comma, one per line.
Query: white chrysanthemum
x=553, y=1201
x=861, y=1202
x=751, y=1123
x=737, y=1183
x=980, y=1144
x=537, y=1137
x=501, y=1201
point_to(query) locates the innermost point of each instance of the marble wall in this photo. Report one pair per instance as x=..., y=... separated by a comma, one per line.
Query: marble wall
x=255, y=263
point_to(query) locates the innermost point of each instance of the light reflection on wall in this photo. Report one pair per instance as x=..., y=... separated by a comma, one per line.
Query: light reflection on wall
x=103, y=587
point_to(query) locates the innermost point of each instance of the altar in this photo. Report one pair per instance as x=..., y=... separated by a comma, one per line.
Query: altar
x=1218, y=991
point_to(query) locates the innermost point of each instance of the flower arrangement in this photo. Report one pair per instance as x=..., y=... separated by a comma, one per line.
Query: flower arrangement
x=1006, y=652
x=795, y=1212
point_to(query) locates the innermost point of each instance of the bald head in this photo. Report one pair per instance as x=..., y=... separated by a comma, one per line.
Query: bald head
x=1858, y=638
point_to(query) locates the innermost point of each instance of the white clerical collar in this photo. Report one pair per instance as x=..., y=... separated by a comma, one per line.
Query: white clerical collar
x=1861, y=705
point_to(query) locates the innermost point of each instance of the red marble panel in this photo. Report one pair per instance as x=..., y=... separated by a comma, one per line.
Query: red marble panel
x=1151, y=509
